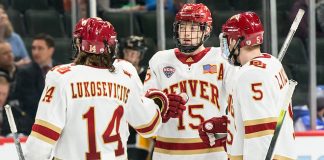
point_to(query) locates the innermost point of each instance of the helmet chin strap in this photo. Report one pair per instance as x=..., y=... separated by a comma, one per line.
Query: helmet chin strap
x=189, y=49
x=232, y=56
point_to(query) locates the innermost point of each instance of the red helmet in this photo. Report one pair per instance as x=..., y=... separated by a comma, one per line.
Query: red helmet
x=194, y=12
x=246, y=25
x=197, y=13
x=98, y=37
x=82, y=24
x=79, y=27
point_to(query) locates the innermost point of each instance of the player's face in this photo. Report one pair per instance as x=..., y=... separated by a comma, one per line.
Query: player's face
x=4, y=91
x=190, y=33
x=6, y=55
x=42, y=54
x=132, y=56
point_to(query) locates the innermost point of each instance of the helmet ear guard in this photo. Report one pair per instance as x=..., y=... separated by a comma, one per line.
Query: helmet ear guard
x=112, y=49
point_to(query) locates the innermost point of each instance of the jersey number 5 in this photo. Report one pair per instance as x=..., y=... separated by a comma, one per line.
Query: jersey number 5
x=89, y=116
x=258, y=92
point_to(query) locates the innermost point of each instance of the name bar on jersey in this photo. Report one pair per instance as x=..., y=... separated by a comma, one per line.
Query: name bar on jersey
x=99, y=89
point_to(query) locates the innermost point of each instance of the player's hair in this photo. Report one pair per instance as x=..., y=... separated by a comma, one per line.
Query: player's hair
x=96, y=60
x=252, y=47
x=49, y=40
x=3, y=80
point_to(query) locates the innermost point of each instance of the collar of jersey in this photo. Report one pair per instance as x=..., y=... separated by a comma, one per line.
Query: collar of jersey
x=263, y=55
x=194, y=58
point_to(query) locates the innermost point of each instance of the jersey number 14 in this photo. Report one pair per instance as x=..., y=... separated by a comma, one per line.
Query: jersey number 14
x=89, y=116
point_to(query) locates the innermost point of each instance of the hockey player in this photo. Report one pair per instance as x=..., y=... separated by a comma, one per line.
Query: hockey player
x=86, y=106
x=198, y=71
x=256, y=98
x=134, y=51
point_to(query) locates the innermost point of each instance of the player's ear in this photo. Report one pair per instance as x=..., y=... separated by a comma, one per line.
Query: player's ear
x=208, y=29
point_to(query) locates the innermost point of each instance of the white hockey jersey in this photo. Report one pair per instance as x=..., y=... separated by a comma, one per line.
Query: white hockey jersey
x=258, y=95
x=201, y=77
x=84, y=113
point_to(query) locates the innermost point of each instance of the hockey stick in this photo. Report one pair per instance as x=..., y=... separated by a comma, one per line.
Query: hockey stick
x=291, y=33
x=292, y=84
x=13, y=129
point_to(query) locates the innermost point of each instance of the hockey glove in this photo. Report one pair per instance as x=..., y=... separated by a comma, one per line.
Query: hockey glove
x=176, y=105
x=161, y=99
x=214, y=131
x=171, y=105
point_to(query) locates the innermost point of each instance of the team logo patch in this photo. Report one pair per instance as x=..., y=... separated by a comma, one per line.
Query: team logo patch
x=168, y=71
x=209, y=68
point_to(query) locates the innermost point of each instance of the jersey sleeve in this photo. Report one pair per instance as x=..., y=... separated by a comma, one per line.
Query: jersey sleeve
x=258, y=110
x=151, y=80
x=50, y=119
x=226, y=88
x=142, y=113
x=129, y=68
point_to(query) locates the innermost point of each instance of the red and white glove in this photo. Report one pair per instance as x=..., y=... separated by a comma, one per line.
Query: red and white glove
x=176, y=105
x=171, y=105
x=213, y=131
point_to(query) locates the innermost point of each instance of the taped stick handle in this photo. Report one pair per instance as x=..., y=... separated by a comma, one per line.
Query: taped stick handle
x=11, y=119
x=13, y=129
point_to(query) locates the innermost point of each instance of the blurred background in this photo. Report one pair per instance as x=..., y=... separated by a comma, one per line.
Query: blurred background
x=153, y=20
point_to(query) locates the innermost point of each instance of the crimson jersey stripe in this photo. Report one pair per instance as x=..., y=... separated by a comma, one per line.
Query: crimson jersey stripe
x=47, y=132
x=150, y=127
x=184, y=146
x=260, y=127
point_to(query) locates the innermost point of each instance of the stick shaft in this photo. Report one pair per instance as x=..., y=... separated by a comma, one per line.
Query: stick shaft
x=18, y=147
x=13, y=129
x=292, y=84
x=291, y=33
